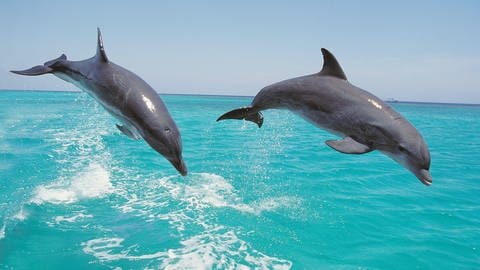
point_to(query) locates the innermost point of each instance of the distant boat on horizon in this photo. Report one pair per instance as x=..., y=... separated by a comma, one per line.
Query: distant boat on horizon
x=391, y=100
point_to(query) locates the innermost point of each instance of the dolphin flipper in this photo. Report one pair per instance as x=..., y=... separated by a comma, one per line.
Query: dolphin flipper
x=244, y=113
x=348, y=145
x=127, y=132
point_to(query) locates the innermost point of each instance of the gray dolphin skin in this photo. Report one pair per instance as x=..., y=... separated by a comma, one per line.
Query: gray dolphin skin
x=330, y=102
x=124, y=95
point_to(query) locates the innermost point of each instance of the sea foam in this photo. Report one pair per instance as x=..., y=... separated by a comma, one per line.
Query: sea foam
x=74, y=218
x=219, y=249
x=93, y=182
x=194, y=197
x=212, y=190
x=2, y=231
x=111, y=249
x=215, y=249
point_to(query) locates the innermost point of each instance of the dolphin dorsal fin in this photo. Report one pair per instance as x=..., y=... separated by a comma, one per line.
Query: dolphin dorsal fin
x=331, y=67
x=100, y=50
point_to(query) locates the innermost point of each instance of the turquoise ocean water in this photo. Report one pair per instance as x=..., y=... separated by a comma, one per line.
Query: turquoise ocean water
x=75, y=193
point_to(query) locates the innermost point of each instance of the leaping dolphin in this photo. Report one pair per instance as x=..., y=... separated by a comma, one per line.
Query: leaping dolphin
x=364, y=121
x=124, y=95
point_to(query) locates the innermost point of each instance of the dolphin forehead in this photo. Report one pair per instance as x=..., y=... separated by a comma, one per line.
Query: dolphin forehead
x=148, y=111
x=408, y=137
x=406, y=132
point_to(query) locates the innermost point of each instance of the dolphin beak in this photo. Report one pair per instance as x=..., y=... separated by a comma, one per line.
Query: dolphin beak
x=180, y=166
x=425, y=177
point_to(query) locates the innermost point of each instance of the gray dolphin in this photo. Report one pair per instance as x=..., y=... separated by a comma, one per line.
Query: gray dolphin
x=124, y=95
x=364, y=121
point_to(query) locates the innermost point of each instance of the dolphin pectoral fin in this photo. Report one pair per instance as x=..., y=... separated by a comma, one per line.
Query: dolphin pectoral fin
x=127, y=132
x=34, y=71
x=244, y=113
x=348, y=145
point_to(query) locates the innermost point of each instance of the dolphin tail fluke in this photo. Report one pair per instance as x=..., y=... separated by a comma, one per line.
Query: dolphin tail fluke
x=34, y=71
x=40, y=70
x=244, y=113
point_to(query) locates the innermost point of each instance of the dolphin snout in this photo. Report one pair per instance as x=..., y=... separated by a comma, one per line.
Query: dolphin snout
x=180, y=166
x=425, y=177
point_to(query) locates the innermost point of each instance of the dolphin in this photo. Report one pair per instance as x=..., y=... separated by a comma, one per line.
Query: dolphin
x=363, y=121
x=124, y=95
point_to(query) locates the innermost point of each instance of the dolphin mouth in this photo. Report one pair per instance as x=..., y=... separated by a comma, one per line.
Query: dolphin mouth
x=425, y=177
x=180, y=166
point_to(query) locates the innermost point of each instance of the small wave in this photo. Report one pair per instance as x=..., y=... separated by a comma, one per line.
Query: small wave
x=219, y=250
x=209, y=250
x=11, y=220
x=104, y=250
x=212, y=190
x=187, y=203
x=93, y=182
x=79, y=146
x=189, y=198
x=63, y=219
x=21, y=215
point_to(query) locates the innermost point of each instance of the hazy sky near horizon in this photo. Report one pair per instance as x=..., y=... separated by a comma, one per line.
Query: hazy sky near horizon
x=407, y=50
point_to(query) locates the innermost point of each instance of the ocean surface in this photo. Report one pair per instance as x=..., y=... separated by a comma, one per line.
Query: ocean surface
x=75, y=193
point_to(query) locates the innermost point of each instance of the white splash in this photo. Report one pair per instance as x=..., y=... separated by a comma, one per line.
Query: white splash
x=21, y=215
x=209, y=250
x=93, y=182
x=2, y=231
x=219, y=250
x=211, y=190
x=215, y=246
x=72, y=219
x=104, y=250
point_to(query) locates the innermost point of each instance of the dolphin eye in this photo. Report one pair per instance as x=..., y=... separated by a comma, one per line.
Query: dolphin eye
x=167, y=130
x=402, y=149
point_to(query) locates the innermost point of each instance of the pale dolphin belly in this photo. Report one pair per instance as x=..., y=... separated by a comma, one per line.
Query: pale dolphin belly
x=112, y=109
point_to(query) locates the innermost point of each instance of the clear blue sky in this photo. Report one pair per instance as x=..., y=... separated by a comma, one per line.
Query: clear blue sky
x=408, y=50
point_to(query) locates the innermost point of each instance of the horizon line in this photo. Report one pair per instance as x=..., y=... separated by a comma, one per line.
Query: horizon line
x=387, y=100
